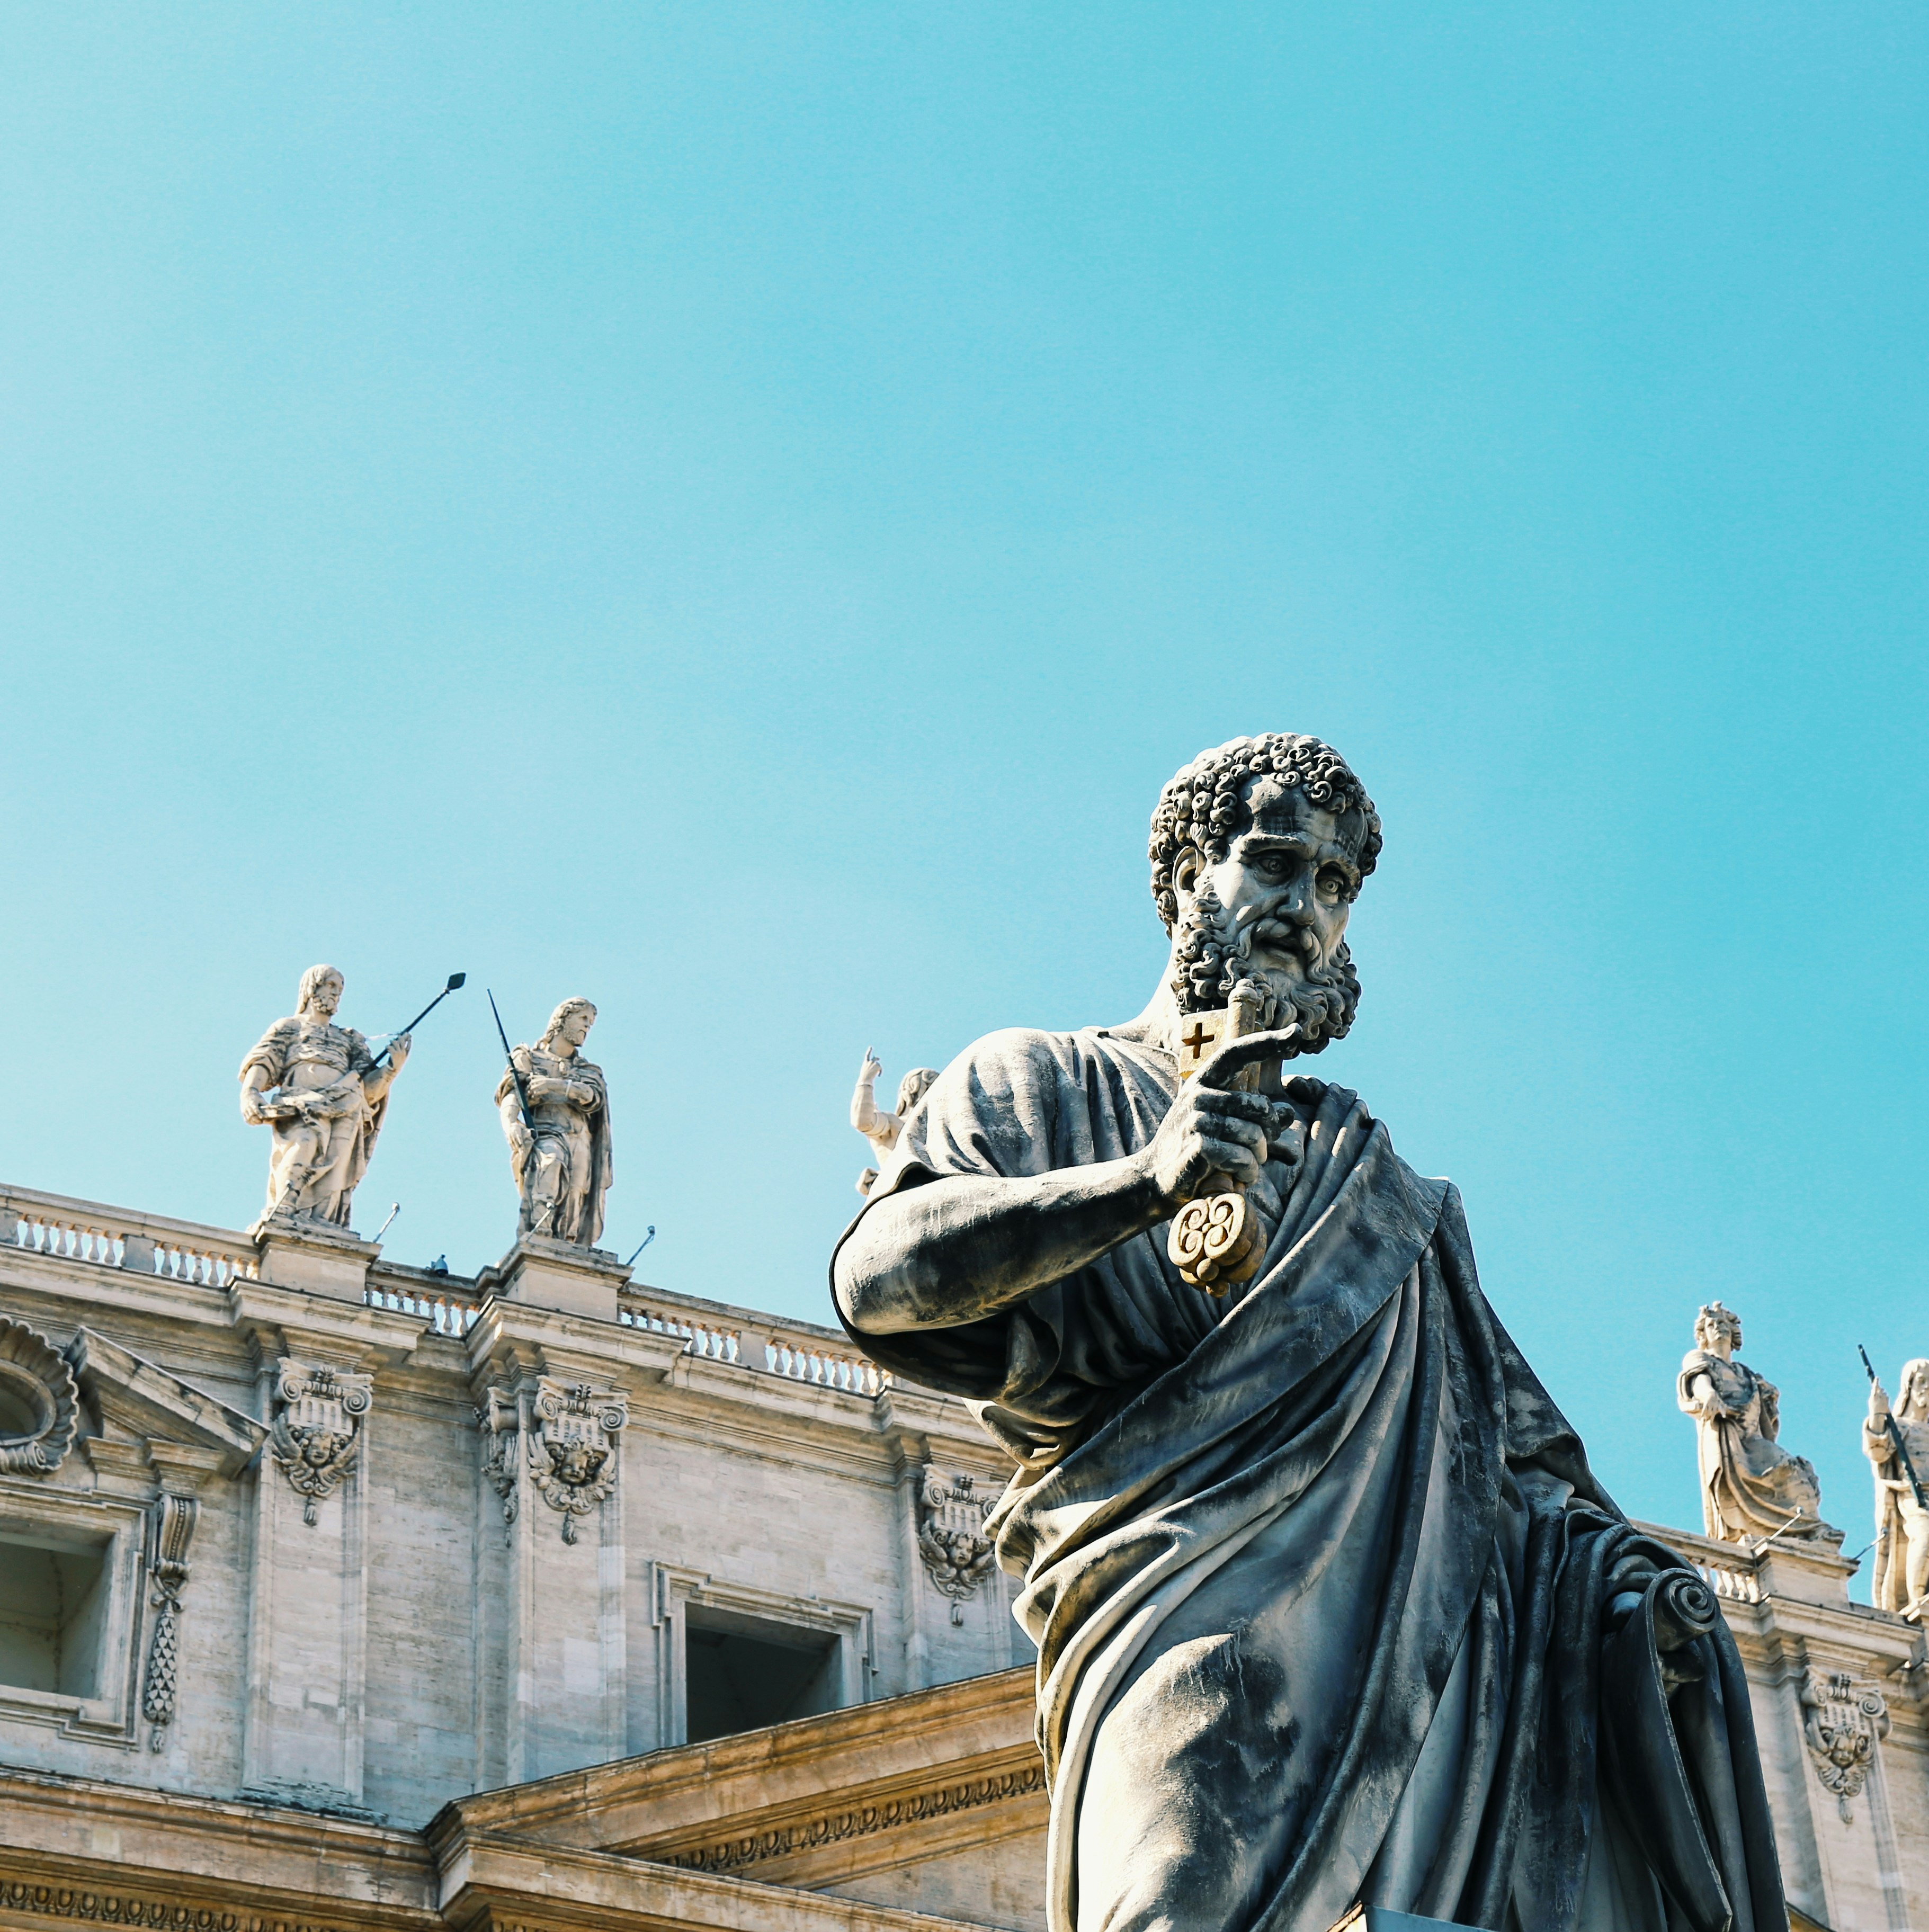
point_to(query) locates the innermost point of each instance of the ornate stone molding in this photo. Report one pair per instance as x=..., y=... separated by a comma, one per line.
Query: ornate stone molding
x=572, y=1446
x=171, y=1528
x=317, y=1427
x=957, y=1554
x=499, y=1419
x=94, y=1905
x=860, y=1821
x=1842, y=1723
x=37, y=1378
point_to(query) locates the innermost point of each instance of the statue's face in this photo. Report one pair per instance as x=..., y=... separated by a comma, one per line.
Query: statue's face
x=1289, y=879
x=327, y=995
x=576, y=1027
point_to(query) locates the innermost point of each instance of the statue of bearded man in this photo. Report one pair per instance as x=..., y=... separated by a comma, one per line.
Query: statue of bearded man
x=560, y=1156
x=1329, y=1607
x=317, y=1087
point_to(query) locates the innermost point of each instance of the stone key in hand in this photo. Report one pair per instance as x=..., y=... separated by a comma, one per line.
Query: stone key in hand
x=1215, y=1239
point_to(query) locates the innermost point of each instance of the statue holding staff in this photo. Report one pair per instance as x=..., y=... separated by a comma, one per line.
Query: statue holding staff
x=1329, y=1606
x=323, y=1096
x=555, y=1108
x=1901, y=1580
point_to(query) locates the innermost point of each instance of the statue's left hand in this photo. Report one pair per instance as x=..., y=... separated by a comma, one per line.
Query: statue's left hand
x=398, y=1049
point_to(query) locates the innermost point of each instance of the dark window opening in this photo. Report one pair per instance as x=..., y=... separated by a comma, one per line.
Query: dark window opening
x=741, y=1673
x=53, y=1601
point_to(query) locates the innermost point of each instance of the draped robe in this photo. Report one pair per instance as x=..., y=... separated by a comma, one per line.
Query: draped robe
x=1318, y=1574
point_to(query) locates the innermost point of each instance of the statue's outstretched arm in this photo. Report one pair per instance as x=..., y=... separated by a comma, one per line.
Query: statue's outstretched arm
x=964, y=1246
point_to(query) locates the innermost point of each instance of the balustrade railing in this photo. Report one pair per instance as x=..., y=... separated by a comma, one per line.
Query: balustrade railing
x=442, y=1314
x=792, y=1353
x=60, y=1229
x=1730, y=1569
x=81, y=1231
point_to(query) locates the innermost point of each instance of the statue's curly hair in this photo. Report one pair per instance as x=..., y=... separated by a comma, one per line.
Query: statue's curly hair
x=1202, y=808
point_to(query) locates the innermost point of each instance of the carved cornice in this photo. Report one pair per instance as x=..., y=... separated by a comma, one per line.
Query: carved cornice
x=99, y=1905
x=857, y=1821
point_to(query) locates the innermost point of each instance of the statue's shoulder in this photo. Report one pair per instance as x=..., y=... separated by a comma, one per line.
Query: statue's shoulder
x=1697, y=1360
x=1020, y=1056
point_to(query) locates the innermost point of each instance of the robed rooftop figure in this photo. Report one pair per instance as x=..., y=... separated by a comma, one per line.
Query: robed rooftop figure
x=1328, y=1605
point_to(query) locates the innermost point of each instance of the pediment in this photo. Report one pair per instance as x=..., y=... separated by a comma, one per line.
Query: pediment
x=138, y=1397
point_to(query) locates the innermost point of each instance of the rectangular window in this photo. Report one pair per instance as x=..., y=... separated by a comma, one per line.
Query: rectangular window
x=53, y=1599
x=741, y=1673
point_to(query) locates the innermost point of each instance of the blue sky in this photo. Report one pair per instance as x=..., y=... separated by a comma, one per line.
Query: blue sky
x=736, y=511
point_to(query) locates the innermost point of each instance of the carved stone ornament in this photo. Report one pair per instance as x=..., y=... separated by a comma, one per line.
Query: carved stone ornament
x=1842, y=1722
x=497, y=1418
x=171, y=1528
x=951, y=1537
x=39, y=1403
x=572, y=1448
x=317, y=1427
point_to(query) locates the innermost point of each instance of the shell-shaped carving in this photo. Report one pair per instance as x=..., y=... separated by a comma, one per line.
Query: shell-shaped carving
x=35, y=1378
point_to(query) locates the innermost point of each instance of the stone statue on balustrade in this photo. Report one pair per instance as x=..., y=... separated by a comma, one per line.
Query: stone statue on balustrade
x=1751, y=1486
x=1901, y=1583
x=323, y=1097
x=1329, y=1606
x=555, y=1113
x=879, y=1129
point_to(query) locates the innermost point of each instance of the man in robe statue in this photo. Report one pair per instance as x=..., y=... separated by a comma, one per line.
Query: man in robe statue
x=561, y=1169
x=318, y=1089
x=1751, y=1486
x=1328, y=1607
x=1901, y=1581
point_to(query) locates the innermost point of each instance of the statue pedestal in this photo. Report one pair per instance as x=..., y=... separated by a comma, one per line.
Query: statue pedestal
x=546, y=1273
x=1812, y=1570
x=314, y=1258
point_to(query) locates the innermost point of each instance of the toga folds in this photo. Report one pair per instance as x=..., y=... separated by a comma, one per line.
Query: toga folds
x=1319, y=1576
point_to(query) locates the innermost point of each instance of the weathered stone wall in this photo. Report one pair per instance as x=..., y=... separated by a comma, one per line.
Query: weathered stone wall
x=417, y=1640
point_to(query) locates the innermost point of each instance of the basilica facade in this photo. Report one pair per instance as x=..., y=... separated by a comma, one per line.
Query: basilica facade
x=336, y=1593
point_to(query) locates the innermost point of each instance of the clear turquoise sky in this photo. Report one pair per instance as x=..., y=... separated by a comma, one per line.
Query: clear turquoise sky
x=736, y=511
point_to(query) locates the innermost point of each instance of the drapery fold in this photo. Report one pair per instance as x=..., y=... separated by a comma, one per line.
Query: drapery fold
x=1320, y=1581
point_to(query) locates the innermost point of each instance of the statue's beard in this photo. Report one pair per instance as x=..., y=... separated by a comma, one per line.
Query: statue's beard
x=1212, y=954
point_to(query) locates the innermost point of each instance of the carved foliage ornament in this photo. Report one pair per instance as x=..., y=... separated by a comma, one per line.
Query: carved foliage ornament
x=951, y=1537
x=317, y=1428
x=572, y=1447
x=1842, y=1722
x=40, y=1404
x=171, y=1528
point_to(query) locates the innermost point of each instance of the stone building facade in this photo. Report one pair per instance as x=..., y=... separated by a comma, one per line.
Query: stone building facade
x=335, y=1594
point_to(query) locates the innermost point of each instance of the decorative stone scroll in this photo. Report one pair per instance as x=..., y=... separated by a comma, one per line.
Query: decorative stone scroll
x=572, y=1447
x=317, y=1425
x=957, y=1553
x=170, y=1529
x=1842, y=1723
x=39, y=1403
x=498, y=1420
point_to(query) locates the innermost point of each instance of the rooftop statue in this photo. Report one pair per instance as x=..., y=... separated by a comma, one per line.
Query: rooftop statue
x=1902, y=1525
x=1328, y=1604
x=1751, y=1486
x=555, y=1114
x=882, y=1130
x=323, y=1096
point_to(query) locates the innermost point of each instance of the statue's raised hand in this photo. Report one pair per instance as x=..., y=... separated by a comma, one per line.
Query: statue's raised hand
x=1878, y=1402
x=868, y=1074
x=1212, y=1128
